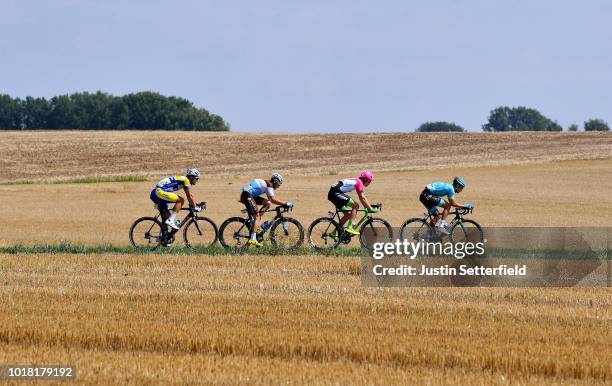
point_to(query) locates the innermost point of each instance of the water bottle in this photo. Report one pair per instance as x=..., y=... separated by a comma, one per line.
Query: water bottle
x=265, y=225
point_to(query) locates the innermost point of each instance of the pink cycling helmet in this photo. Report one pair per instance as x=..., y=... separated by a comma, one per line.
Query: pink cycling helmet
x=366, y=174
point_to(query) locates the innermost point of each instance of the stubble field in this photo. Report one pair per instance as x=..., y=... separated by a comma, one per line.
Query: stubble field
x=292, y=319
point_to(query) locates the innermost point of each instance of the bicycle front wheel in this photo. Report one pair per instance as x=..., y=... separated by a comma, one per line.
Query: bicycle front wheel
x=375, y=230
x=324, y=234
x=200, y=233
x=146, y=233
x=466, y=231
x=234, y=234
x=287, y=233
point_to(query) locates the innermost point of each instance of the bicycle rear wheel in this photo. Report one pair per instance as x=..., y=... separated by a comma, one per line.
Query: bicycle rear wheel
x=146, y=233
x=201, y=233
x=324, y=234
x=287, y=233
x=416, y=229
x=234, y=234
x=375, y=230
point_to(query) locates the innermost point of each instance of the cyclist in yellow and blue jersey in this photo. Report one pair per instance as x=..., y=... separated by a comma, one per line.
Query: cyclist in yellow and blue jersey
x=431, y=197
x=163, y=193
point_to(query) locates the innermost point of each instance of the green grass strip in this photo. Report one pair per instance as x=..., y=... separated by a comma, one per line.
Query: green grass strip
x=83, y=180
x=67, y=248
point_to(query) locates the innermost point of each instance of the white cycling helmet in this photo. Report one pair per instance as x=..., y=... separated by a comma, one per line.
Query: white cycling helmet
x=276, y=179
x=193, y=172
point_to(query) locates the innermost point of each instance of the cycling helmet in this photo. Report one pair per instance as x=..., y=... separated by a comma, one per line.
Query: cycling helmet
x=193, y=172
x=276, y=179
x=458, y=181
x=367, y=175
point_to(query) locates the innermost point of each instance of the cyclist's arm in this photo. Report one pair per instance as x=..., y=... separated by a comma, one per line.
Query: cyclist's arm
x=275, y=201
x=364, y=200
x=455, y=204
x=189, y=197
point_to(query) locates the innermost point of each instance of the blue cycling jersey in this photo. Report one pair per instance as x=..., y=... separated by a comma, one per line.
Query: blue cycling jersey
x=440, y=189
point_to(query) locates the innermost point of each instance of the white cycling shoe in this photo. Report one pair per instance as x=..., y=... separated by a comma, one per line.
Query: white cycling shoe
x=442, y=229
x=172, y=224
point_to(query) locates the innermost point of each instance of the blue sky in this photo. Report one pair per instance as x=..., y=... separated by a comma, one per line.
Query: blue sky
x=312, y=66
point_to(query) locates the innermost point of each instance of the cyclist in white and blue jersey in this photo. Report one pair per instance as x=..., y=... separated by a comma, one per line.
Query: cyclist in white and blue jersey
x=432, y=197
x=251, y=198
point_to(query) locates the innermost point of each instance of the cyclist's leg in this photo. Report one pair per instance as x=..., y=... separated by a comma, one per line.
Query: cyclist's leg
x=162, y=206
x=342, y=202
x=446, y=206
x=430, y=203
x=169, y=197
x=251, y=207
x=262, y=203
x=178, y=204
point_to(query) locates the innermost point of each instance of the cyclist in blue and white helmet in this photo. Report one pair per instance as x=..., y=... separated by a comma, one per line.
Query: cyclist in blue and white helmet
x=431, y=198
x=255, y=204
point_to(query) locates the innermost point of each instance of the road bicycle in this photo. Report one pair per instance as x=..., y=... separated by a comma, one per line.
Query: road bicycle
x=151, y=232
x=325, y=233
x=459, y=229
x=284, y=232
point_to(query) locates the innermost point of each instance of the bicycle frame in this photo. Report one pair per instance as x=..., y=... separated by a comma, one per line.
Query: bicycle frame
x=279, y=216
x=192, y=214
x=359, y=224
x=458, y=213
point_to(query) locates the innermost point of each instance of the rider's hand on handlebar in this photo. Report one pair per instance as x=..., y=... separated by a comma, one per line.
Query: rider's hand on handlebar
x=197, y=208
x=469, y=206
x=289, y=205
x=374, y=210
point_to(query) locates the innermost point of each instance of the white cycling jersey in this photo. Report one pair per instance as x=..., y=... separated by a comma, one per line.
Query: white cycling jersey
x=257, y=187
x=349, y=184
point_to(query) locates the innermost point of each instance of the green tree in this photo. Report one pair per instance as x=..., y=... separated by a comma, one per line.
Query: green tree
x=439, y=126
x=572, y=127
x=11, y=113
x=35, y=113
x=596, y=125
x=143, y=110
x=92, y=111
x=62, y=114
x=520, y=118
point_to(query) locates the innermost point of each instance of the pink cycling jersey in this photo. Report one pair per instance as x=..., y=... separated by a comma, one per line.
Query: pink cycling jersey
x=350, y=184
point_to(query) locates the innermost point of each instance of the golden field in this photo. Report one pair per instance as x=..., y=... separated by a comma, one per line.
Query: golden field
x=261, y=319
x=292, y=319
x=538, y=194
x=60, y=154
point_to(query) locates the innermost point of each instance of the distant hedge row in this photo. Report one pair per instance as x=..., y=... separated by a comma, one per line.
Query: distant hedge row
x=139, y=111
x=520, y=118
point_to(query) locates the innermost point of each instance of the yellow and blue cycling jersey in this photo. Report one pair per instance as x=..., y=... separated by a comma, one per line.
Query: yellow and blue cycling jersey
x=173, y=183
x=162, y=193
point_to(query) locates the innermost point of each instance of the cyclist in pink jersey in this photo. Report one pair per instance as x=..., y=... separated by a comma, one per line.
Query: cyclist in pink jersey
x=337, y=196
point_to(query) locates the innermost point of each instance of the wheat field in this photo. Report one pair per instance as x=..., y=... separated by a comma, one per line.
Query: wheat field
x=253, y=319
x=257, y=319
x=40, y=155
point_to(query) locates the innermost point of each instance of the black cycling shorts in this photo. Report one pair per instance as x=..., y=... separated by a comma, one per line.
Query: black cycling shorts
x=251, y=202
x=338, y=198
x=429, y=200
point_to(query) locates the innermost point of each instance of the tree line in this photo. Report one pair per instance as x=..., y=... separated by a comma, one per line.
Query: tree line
x=520, y=118
x=90, y=111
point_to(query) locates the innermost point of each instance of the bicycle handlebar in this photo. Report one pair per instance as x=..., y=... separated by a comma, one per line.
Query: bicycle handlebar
x=200, y=204
x=462, y=211
x=278, y=209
